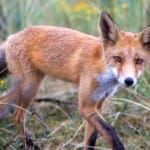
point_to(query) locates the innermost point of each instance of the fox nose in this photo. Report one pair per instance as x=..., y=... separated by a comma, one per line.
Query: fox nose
x=129, y=81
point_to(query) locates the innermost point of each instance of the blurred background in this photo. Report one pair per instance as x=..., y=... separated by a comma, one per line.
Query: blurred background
x=56, y=123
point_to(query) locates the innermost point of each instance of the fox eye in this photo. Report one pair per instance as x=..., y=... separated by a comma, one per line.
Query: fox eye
x=117, y=58
x=139, y=61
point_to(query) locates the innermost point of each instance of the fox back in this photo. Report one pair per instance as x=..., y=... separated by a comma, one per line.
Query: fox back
x=56, y=51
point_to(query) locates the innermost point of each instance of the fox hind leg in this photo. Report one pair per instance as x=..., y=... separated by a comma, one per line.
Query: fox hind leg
x=27, y=91
x=7, y=100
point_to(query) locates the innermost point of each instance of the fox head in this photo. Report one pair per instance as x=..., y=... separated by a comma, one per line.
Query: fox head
x=127, y=54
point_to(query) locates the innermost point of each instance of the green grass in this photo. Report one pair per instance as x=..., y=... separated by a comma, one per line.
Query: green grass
x=60, y=123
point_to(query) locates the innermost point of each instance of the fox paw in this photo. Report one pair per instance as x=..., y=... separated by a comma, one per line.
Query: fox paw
x=28, y=141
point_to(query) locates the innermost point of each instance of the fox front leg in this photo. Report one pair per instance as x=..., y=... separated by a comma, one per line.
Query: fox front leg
x=95, y=122
x=96, y=125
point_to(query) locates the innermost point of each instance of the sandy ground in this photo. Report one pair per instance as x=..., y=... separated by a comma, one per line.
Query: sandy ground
x=54, y=88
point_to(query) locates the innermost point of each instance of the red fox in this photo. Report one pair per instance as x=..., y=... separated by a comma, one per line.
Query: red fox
x=98, y=65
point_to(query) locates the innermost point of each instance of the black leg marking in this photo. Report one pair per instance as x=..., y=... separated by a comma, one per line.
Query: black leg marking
x=31, y=145
x=92, y=140
x=117, y=144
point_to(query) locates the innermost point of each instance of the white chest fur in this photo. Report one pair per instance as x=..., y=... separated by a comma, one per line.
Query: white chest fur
x=107, y=84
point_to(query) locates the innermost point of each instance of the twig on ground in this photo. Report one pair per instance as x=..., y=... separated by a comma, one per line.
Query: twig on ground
x=48, y=99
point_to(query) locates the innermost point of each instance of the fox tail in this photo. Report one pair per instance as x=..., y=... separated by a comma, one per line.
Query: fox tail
x=3, y=64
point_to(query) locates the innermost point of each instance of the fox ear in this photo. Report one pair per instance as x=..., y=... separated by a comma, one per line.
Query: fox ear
x=146, y=37
x=108, y=28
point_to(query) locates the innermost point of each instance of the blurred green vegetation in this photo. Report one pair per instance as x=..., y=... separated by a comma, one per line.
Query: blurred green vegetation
x=82, y=15
x=131, y=120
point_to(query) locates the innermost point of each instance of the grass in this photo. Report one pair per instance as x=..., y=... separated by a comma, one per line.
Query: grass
x=55, y=124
